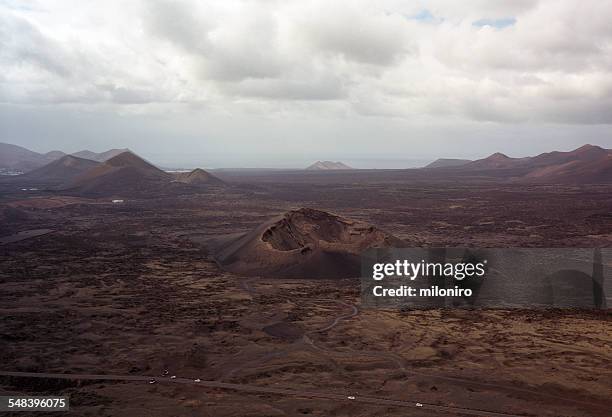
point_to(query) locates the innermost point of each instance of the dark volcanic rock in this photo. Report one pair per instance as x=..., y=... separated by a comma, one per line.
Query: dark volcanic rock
x=304, y=243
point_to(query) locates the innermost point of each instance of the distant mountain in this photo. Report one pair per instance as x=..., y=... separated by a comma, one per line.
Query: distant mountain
x=15, y=157
x=327, y=165
x=102, y=156
x=58, y=172
x=584, y=153
x=197, y=177
x=495, y=161
x=53, y=155
x=587, y=164
x=448, y=163
x=123, y=174
x=18, y=158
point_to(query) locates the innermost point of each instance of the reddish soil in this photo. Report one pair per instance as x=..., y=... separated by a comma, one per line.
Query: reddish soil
x=132, y=289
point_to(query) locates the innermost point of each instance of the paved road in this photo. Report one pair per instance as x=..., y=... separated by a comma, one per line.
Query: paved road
x=398, y=361
x=267, y=390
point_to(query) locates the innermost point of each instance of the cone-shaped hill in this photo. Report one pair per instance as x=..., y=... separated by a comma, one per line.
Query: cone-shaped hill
x=198, y=177
x=495, y=161
x=327, y=166
x=123, y=174
x=448, y=163
x=59, y=171
x=102, y=156
x=304, y=243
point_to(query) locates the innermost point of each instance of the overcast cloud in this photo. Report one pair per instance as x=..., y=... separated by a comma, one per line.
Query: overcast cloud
x=278, y=83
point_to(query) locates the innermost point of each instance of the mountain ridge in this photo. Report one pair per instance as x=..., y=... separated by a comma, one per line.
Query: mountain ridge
x=447, y=163
x=327, y=166
x=122, y=174
x=58, y=171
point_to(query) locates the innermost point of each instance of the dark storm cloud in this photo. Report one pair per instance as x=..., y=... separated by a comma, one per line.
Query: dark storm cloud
x=21, y=43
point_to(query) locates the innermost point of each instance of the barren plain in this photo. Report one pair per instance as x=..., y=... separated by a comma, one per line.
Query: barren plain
x=130, y=289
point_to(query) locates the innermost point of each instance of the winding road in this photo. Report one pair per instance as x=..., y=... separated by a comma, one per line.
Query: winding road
x=399, y=361
x=256, y=389
x=265, y=390
x=353, y=313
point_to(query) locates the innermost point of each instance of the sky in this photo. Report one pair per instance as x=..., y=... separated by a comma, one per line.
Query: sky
x=376, y=84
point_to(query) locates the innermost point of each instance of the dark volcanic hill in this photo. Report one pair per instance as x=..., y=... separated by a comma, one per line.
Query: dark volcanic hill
x=327, y=166
x=53, y=155
x=124, y=174
x=448, y=163
x=304, y=243
x=22, y=159
x=65, y=169
x=496, y=161
x=102, y=156
x=586, y=153
x=585, y=165
x=198, y=177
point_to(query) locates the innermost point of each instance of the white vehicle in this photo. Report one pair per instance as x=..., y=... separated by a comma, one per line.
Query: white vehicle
x=117, y=201
x=173, y=377
x=419, y=405
x=152, y=381
x=197, y=380
x=350, y=397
